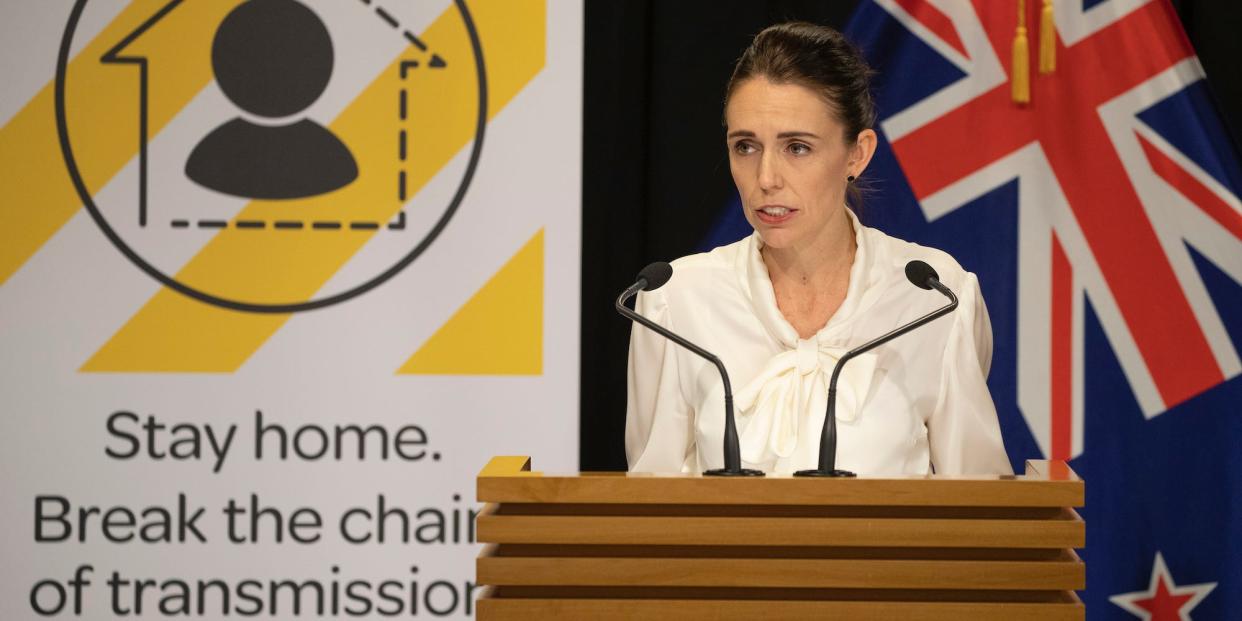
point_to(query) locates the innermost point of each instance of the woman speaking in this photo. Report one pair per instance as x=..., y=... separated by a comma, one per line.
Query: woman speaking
x=781, y=306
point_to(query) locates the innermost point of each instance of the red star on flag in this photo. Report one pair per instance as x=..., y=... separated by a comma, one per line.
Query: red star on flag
x=1163, y=600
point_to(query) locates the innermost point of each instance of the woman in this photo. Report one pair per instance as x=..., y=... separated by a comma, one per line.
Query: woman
x=781, y=306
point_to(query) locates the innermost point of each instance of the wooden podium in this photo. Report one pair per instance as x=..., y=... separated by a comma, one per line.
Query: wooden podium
x=637, y=546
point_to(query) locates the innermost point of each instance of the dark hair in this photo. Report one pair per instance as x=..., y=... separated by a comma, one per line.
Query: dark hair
x=820, y=59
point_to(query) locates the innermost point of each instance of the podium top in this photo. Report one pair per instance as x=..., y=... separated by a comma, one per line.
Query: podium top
x=1045, y=483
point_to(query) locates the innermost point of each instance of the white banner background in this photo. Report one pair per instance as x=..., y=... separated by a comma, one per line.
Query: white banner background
x=327, y=367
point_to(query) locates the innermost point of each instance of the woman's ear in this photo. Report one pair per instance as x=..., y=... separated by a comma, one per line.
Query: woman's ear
x=861, y=152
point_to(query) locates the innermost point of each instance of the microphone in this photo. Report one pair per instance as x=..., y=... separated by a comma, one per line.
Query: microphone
x=922, y=276
x=651, y=278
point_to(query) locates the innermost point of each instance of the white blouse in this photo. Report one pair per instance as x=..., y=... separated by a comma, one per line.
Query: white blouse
x=918, y=402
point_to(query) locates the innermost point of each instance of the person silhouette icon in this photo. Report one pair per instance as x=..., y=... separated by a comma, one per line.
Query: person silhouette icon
x=272, y=59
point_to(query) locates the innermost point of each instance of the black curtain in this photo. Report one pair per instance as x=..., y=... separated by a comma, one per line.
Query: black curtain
x=654, y=170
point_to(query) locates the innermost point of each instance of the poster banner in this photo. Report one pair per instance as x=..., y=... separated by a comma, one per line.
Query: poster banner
x=277, y=277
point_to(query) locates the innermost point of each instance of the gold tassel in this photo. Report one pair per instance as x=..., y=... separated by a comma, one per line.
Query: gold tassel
x=1047, y=40
x=1021, y=70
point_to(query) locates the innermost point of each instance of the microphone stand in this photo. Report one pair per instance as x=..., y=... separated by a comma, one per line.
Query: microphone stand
x=732, y=444
x=828, y=439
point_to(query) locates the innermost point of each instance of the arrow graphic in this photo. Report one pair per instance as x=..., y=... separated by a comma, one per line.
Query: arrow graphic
x=113, y=57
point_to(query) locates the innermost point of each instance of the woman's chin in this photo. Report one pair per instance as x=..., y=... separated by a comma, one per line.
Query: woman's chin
x=777, y=238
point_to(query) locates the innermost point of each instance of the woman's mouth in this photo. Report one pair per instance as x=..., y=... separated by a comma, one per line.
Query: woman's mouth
x=774, y=214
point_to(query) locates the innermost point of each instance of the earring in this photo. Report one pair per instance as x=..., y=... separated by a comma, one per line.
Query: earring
x=849, y=179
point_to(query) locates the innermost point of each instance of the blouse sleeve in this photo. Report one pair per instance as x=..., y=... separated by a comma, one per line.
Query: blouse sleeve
x=963, y=430
x=658, y=420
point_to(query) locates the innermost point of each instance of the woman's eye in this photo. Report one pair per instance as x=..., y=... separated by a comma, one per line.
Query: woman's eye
x=798, y=148
x=743, y=148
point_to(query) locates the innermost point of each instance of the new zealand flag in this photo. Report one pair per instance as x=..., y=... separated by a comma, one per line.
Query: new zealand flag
x=1104, y=222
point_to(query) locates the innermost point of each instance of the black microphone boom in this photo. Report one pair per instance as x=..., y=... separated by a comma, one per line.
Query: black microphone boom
x=653, y=277
x=924, y=277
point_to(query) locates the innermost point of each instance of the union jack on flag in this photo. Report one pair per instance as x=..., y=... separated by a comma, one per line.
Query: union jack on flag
x=1104, y=221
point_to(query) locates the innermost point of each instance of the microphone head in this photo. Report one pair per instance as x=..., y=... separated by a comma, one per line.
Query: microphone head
x=921, y=274
x=656, y=274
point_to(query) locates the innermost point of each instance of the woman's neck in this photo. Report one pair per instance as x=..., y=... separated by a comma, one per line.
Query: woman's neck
x=810, y=281
x=819, y=261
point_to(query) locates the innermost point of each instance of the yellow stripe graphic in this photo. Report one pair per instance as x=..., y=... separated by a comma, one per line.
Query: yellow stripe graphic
x=173, y=333
x=39, y=198
x=499, y=331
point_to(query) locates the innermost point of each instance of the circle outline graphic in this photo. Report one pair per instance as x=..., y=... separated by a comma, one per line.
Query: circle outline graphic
x=62, y=130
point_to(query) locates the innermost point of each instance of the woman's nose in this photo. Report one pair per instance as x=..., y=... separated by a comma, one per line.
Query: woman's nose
x=769, y=173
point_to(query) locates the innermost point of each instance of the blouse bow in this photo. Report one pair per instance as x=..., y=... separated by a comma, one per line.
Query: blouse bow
x=792, y=391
